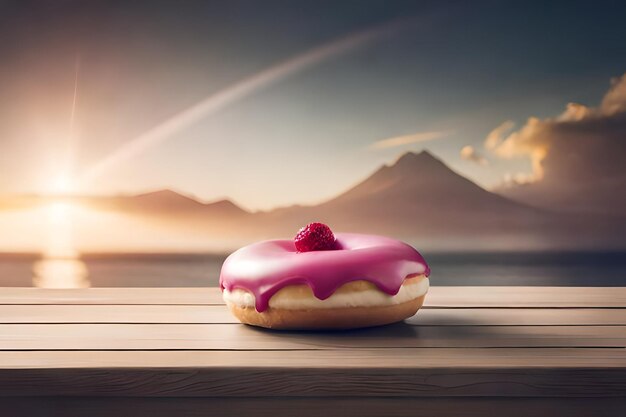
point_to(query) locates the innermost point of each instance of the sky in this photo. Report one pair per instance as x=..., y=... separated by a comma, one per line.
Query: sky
x=291, y=101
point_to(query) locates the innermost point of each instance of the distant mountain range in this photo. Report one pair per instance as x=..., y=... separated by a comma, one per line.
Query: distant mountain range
x=418, y=198
x=165, y=202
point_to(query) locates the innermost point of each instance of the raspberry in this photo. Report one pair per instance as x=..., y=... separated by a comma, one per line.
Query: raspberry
x=314, y=236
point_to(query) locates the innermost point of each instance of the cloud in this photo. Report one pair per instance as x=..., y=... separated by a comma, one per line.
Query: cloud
x=495, y=137
x=615, y=100
x=581, y=144
x=408, y=139
x=469, y=153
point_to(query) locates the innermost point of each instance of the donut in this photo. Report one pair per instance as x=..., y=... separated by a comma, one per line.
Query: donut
x=323, y=280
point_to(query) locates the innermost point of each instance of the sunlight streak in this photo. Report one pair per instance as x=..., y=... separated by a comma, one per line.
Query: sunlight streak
x=70, y=140
x=239, y=91
x=62, y=183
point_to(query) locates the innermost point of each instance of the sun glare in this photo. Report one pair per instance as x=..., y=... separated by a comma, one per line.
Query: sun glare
x=60, y=273
x=60, y=266
x=61, y=185
x=60, y=240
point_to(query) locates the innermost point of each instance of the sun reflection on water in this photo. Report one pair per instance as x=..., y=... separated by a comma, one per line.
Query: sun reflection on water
x=60, y=266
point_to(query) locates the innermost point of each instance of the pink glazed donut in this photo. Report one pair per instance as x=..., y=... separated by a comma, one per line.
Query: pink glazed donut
x=362, y=281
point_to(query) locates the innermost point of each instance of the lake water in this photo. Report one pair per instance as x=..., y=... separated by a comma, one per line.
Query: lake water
x=197, y=270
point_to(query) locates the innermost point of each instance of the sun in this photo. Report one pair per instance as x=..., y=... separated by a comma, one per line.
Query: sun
x=61, y=185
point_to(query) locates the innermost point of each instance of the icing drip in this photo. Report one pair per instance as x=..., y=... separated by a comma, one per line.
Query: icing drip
x=264, y=268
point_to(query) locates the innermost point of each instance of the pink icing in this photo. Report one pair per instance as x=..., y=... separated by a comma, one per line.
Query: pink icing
x=264, y=268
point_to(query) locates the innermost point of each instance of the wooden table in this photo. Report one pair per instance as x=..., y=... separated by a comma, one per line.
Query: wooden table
x=472, y=351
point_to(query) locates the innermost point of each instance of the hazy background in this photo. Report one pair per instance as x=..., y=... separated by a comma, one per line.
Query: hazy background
x=140, y=142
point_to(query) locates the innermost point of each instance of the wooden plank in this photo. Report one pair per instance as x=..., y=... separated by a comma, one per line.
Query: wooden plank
x=116, y=296
x=219, y=315
x=313, y=407
x=527, y=297
x=417, y=358
x=519, y=317
x=304, y=382
x=115, y=314
x=228, y=336
x=506, y=297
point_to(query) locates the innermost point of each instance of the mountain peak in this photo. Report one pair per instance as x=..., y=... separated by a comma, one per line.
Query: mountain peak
x=410, y=158
x=422, y=162
x=165, y=192
x=165, y=199
x=411, y=171
x=225, y=205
